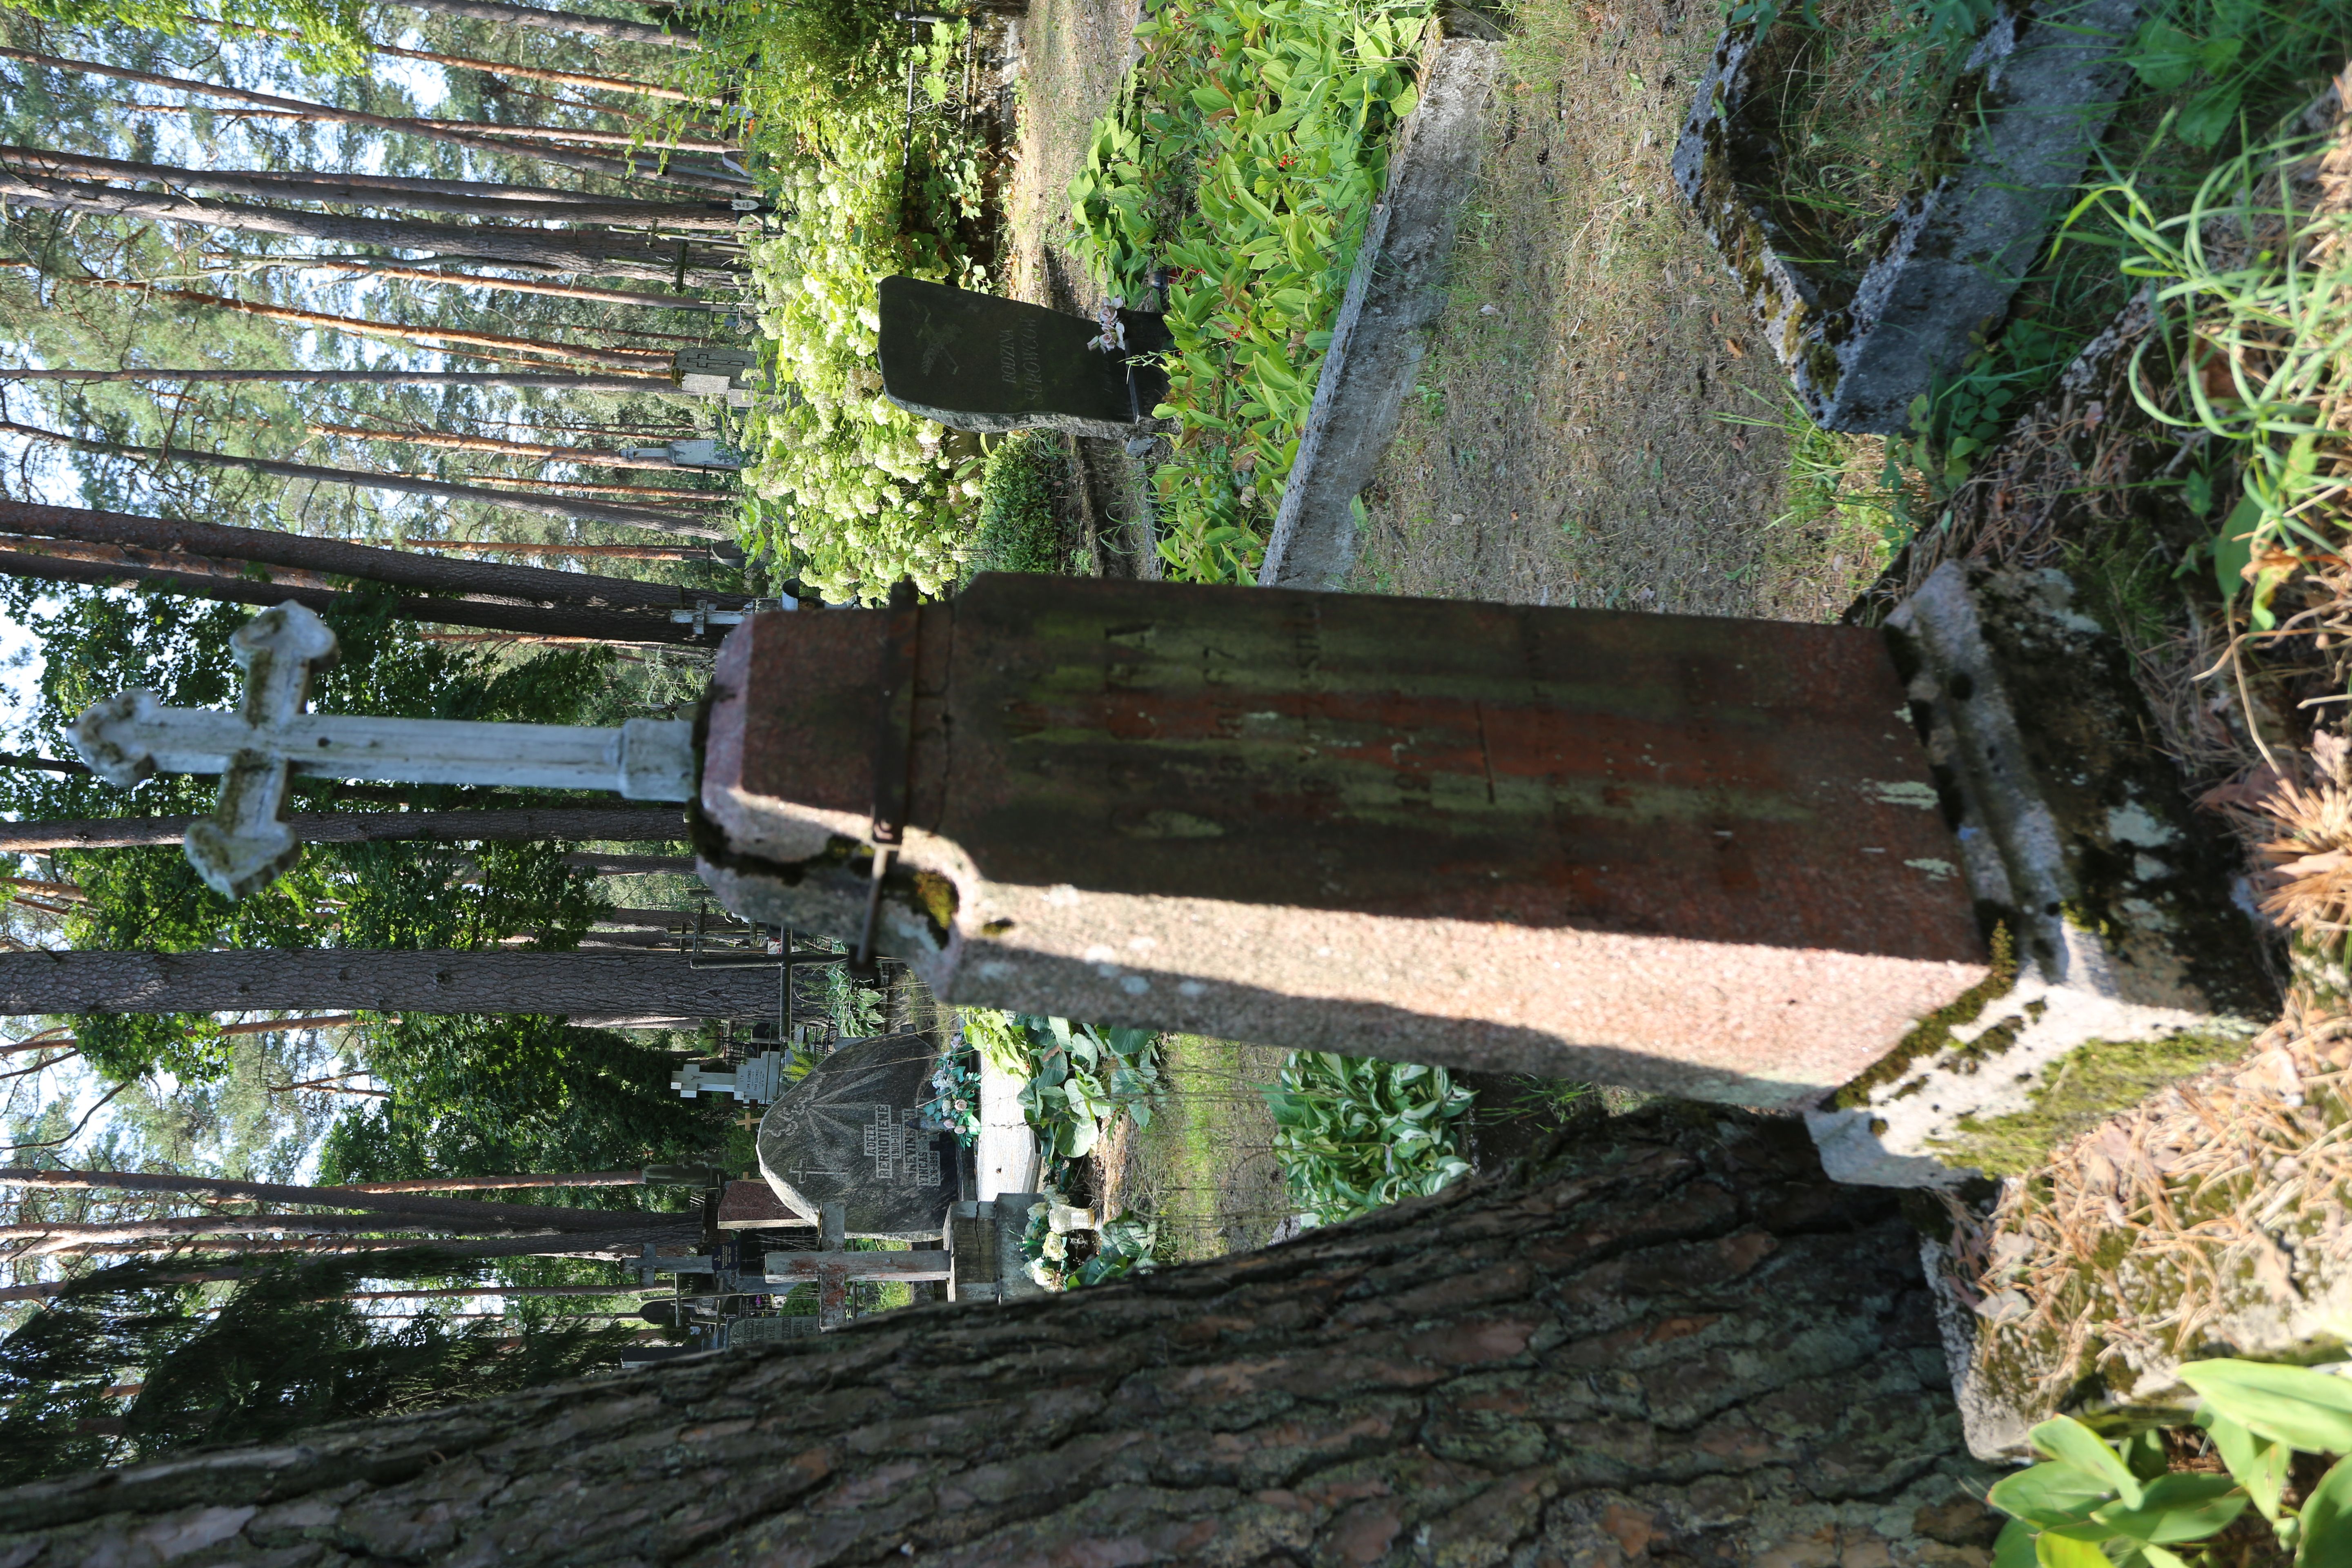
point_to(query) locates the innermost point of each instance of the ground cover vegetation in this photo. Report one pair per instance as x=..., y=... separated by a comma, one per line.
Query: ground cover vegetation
x=1236, y=177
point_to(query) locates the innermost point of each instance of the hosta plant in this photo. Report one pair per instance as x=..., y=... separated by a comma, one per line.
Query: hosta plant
x=1354, y=1134
x=2093, y=1503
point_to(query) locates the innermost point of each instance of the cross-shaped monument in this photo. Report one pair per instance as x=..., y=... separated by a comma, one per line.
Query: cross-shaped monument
x=271, y=736
x=1892, y=879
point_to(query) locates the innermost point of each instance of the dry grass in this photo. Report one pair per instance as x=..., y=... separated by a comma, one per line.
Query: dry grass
x=2140, y=1243
x=1567, y=443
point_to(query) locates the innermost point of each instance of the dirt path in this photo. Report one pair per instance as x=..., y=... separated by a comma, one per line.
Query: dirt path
x=1075, y=53
x=1563, y=445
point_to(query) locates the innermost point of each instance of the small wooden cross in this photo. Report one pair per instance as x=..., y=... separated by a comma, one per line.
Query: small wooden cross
x=245, y=844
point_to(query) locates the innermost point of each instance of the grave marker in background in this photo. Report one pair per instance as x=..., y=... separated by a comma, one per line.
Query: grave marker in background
x=975, y=362
x=850, y=1134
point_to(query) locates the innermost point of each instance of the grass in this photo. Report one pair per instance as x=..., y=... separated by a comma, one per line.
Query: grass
x=1204, y=1170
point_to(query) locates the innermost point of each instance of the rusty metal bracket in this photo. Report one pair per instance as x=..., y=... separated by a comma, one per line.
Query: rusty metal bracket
x=892, y=743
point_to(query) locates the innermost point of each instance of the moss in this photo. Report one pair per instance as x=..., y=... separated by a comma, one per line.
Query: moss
x=1933, y=1033
x=1019, y=486
x=2084, y=1088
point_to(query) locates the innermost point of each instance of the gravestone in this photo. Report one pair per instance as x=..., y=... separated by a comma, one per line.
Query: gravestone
x=758, y=1079
x=974, y=362
x=850, y=1134
x=1758, y=863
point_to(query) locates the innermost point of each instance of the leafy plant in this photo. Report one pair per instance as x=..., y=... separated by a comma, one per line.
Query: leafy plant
x=1354, y=1134
x=1060, y=1260
x=2092, y=1504
x=1081, y=1077
x=1018, y=531
x=2253, y=306
x=1246, y=156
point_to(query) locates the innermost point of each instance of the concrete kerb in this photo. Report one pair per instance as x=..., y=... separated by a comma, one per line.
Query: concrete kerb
x=1394, y=294
x=2036, y=95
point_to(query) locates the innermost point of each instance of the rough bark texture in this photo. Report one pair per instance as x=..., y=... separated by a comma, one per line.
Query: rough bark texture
x=607, y=824
x=554, y=381
x=514, y=15
x=381, y=981
x=1675, y=1343
x=397, y=568
x=206, y=577
x=406, y=484
x=594, y=251
x=443, y=131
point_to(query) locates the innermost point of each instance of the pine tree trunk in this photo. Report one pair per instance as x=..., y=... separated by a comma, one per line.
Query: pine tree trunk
x=394, y=568
x=492, y=980
x=442, y=440
x=592, y=252
x=406, y=484
x=549, y=381
x=514, y=16
x=513, y=284
x=471, y=198
x=468, y=136
x=645, y=361
x=409, y=1202
x=1675, y=1342
x=595, y=823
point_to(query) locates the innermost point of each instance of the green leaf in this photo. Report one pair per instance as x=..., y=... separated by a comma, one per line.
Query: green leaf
x=2257, y=1465
x=2177, y=1508
x=2048, y=1495
x=2071, y=1443
x=2327, y=1521
x=2291, y=1405
x=2233, y=550
x=2053, y=1550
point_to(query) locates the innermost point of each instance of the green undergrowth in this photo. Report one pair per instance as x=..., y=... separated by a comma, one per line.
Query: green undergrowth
x=1244, y=158
x=849, y=491
x=1019, y=528
x=1355, y=1134
x=1876, y=106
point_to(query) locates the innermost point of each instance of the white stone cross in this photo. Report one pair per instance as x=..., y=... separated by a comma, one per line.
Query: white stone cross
x=243, y=844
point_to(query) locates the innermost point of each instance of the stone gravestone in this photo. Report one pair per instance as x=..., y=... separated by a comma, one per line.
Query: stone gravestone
x=974, y=362
x=849, y=1133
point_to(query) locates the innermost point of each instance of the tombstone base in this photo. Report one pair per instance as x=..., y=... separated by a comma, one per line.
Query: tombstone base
x=2122, y=963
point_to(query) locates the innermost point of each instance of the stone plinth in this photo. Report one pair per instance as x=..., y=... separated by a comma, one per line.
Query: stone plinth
x=2125, y=963
x=1700, y=857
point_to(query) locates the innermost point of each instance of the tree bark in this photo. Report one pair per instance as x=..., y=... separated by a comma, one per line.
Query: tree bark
x=603, y=551
x=488, y=980
x=228, y=581
x=557, y=78
x=512, y=285
x=406, y=484
x=614, y=1246
x=553, y=381
x=629, y=865
x=607, y=824
x=419, y=194
x=408, y=1202
x=1675, y=1343
x=447, y=441
x=645, y=361
x=559, y=22
x=468, y=136
x=394, y=568
x=51, y=1240
x=592, y=252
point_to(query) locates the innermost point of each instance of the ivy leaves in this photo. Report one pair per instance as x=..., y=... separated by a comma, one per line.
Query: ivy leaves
x=1354, y=1134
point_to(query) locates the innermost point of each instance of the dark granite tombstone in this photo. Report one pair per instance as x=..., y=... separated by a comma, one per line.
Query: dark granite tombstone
x=974, y=362
x=848, y=1134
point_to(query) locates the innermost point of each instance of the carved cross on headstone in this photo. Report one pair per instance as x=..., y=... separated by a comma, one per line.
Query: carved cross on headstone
x=244, y=844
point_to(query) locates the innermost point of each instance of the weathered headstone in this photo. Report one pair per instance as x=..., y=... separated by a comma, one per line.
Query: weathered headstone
x=1711, y=857
x=974, y=362
x=757, y=1079
x=849, y=1133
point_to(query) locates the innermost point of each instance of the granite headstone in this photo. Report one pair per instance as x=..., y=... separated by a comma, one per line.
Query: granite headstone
x=851, y=1132
x=974, y=362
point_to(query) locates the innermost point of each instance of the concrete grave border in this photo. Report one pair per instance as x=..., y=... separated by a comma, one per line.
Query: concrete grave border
x=1395, y=291
x=2015, y=136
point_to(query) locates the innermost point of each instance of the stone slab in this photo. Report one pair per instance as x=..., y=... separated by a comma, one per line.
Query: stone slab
x=975, y=362
x=1696, y=855
x=1999, y=170
x=1394, y=293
